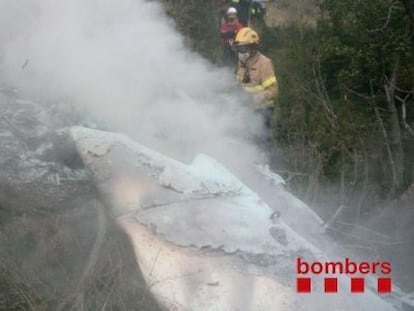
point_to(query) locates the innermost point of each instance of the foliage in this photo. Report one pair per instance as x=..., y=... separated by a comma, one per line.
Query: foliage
x=199, y=22
x=336, y=124
x=361, y=41
x=346, y=96
x=363, y=46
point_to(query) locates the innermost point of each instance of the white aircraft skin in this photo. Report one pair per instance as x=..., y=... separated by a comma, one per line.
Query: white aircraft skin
x=162, y=225
x=186, y=279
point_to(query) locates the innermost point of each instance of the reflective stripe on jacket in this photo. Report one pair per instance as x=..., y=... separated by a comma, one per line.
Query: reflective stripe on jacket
x=257, y=76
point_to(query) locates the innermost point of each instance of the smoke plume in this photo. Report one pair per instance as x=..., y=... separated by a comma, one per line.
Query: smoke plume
x=123, y=64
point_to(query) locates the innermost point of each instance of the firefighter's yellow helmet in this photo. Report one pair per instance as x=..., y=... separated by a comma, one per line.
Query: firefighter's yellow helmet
x=246, y=36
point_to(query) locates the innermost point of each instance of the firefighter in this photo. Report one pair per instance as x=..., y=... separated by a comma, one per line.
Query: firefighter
x=256, y=16
x=255, y=73
x=243, y=7
x=258, y=8
x=228, y=31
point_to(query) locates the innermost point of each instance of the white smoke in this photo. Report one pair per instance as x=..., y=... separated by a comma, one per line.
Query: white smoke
x=122, y=61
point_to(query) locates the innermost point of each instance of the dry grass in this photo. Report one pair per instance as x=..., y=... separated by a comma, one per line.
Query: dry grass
x=71, y=257
x=285, y=12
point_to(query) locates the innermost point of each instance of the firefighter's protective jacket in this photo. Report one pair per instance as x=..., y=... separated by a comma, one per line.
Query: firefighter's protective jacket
x=257, y=77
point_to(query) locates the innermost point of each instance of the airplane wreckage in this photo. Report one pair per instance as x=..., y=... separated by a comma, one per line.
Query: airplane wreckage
x=203, y=239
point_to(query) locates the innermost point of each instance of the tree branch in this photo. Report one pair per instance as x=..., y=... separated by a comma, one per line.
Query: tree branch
x=387, y=21
x=404, y=113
